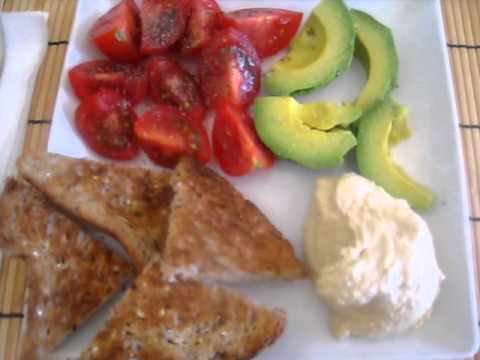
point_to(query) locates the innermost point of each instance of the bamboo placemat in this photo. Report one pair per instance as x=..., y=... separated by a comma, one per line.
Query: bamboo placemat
x=462, y=26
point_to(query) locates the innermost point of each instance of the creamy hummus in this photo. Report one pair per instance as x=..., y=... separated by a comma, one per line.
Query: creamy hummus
x=371, y=256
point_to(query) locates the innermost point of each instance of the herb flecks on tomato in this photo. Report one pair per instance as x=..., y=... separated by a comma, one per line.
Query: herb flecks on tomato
x=163, y=24
x=206, y=18
x=105, y=121
x=236, y=145
x=171, y=84
x=229, y=70
x=166, y=136
x=269, y=30
x=127, y=79
x=117, y=33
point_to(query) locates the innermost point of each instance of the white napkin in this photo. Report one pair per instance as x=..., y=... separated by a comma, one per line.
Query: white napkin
x=26, y=37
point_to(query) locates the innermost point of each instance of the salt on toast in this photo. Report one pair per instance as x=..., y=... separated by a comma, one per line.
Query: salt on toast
x=129, y=203
x=70, y=274
x=183, y=320
x=216, y=234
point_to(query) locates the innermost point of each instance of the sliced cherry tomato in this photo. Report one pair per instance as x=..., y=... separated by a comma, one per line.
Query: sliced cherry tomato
x=128, y=80
x=196, y=119
x=105, y=122
x=206, y=18
x=229, y=69
x=236, y=144
x=163, y=23
x=166, y=136
x=171, y=84
x=117, y=33
x=269, y=30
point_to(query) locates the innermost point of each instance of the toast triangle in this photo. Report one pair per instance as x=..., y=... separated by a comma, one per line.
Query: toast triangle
x=70, y=274
x=129, y=203
x=183, y=320
x=216, y=234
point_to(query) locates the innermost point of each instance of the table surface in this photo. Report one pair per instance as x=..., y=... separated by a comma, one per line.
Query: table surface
x=462, y=26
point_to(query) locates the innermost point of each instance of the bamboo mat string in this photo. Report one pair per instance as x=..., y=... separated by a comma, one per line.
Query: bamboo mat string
x=470, y=66
x=464, y=100
x=473, y=56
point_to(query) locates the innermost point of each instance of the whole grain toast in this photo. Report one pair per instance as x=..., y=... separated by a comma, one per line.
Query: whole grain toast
x=129, y=203
x=70, y=274
x=183, y=320
x=216, y=234
x=213, y=232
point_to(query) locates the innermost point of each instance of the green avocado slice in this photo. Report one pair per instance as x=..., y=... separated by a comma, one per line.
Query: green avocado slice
x=375, y=48
x=322, y=50
x=320, y=115
x=286, y=128
x=400, y=126
x=375, y=163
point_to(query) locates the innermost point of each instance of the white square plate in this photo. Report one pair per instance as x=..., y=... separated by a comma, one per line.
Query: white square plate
x=433, y=156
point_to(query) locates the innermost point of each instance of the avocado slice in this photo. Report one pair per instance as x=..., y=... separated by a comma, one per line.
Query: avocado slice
x=375, y=48
x=400, y=126
x=285, y=127
x=320, y=115
x=375, y=163
x=322, y=50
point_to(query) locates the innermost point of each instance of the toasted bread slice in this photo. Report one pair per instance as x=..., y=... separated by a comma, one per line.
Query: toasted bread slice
x=183, y=320
x=70, y=274
x=129, y=203
x=216, y=234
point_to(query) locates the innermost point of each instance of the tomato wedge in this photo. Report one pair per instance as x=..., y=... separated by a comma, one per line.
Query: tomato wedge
x=105, y=122
x=229, y=70
x=163, y=23
x=235, y=143
x=171, y=84
x=269, y=30
x=166, y=136
x=204, y=153
x=128, y=80
x=206, y=18
x=117, y=33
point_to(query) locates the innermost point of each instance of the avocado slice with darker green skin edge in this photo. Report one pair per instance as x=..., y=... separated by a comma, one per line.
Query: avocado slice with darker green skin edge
x=322, y=50
x=282, y=130
x=375, y=49
x=375, y=163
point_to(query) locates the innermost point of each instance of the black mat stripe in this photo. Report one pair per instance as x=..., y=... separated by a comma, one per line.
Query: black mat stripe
x=39, y=122
x=58, y=42
x=11, y=316
x=463, y=46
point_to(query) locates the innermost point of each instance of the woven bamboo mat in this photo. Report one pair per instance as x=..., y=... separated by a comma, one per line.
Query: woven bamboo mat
x=462, y=23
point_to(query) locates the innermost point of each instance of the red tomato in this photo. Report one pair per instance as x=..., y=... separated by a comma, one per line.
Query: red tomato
x=171, y=84
x=195, y=119
x=165, y=135
x=117, y=33
x=129, y=80
x=229, y=70
x=206, y=17
x=269, y=30
x=163, y=23
x=236, y=144
x=105, y=122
